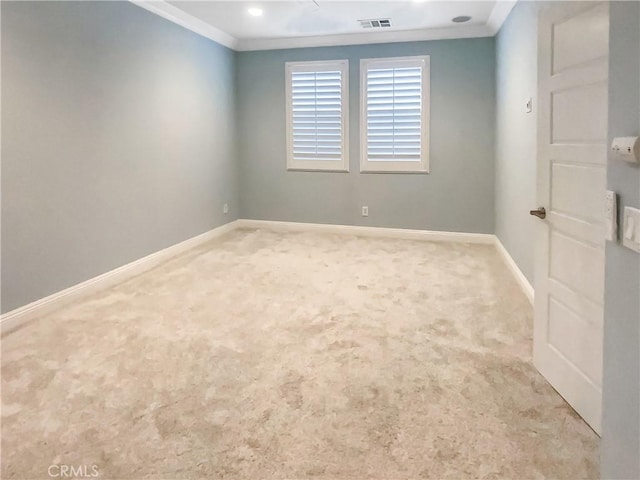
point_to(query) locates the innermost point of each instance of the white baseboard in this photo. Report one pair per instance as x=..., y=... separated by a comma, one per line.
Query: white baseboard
x=400, y=233
x=15, y=318
x=360, y=231
x=526, y=287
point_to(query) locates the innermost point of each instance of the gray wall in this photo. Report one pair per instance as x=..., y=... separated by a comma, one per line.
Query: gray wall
x=456, y=196
x=621, y=392
x=516, y=81
x=117, y=140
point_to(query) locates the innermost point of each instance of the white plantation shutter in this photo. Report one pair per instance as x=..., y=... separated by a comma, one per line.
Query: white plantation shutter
x=395, y=114
x=394, y=111
x=316, y=115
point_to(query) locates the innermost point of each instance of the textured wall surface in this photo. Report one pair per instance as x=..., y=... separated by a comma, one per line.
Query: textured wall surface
x=621, y=391
x=456, y=196
x=117, y=140
x=516, y=81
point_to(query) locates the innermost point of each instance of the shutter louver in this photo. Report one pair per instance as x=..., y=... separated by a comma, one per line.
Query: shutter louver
x=394, y=114
x=316, y=115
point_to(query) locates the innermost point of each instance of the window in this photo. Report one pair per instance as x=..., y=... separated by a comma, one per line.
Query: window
x=394, y=121
x=317, y=99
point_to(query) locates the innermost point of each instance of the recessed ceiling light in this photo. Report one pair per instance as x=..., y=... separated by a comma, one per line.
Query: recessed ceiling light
x=461, y=19
x=256, y=12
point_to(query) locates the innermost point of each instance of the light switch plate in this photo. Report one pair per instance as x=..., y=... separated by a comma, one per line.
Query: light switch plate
x=611, y=216
x=631, y=228
x=528, y=107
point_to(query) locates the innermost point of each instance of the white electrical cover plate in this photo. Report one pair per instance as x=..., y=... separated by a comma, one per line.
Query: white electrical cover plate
x=631, y=228
x=611, y=216
x=627, y=148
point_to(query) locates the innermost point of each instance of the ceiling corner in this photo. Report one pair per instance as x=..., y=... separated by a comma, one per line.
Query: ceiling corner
x=175, y=15
x=446, y=33
x=499, y=14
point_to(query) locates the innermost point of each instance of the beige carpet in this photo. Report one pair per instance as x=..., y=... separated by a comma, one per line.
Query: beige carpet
x=265, y=355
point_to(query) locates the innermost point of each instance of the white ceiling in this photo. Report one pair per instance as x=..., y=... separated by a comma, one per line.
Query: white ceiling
x=302, y=19
x=307, y=23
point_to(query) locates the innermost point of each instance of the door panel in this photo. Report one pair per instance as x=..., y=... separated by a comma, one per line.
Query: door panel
x=571, y=47
x=578, y=265
x=569, y=195
x=589, y=311
x=580, y=114
x=563, y=322
x=572, y=130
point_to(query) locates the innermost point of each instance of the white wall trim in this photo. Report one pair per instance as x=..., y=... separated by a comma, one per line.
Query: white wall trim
x=18, y=317
x=180, y=17
x=398, y=233
x=166, y=10
x=499, y=14
x=379, y=232
x=471, y=31
x=15, y=318
x=526, y=287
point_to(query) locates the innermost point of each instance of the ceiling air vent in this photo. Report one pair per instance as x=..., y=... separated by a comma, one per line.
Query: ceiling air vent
x=375, y=23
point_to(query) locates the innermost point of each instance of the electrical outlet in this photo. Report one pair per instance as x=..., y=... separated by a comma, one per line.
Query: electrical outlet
x=365, y=211
x=225, y=208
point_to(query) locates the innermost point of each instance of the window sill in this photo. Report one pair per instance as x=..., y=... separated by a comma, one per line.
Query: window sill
x=326, y=170
x=402, y=172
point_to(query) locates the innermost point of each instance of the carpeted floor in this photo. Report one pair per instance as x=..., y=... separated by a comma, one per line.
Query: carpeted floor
x=265, y=355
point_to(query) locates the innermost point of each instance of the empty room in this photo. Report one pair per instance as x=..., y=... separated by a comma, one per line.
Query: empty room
x=318, y=239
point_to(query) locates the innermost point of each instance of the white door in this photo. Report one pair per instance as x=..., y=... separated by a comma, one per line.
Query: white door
x=573, y=50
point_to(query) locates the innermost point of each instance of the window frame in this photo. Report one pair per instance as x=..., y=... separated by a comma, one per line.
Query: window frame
x=341, y=165
x=367, y=166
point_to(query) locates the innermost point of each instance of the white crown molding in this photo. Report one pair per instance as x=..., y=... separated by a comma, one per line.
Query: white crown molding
x=18, y=317
x=164, y=9
x=471, y=31
x=499, y=14
x=526, y=287
x=175, y=15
